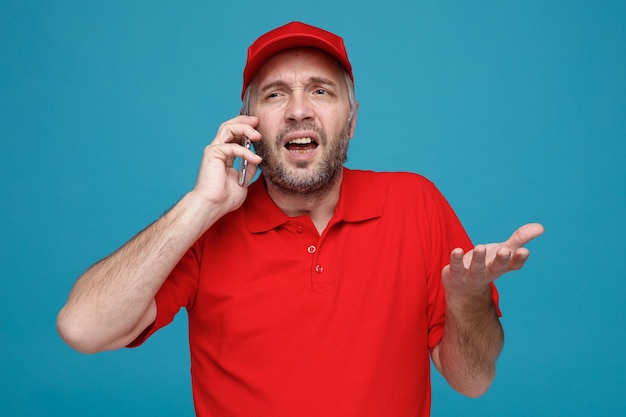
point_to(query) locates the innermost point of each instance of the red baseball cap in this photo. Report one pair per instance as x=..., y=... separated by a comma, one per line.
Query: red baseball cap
x=293, y=35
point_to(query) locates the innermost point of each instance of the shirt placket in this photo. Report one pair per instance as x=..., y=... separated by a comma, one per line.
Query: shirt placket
x=321, y=276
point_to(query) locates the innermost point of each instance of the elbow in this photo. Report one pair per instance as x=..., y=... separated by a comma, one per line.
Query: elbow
x=473, y=381
x=75, y=332
x=475, y=387
x=475, y=391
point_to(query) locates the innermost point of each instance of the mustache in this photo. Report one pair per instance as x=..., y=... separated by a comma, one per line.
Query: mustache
x=299, y=127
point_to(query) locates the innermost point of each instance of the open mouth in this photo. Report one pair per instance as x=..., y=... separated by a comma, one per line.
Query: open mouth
x=301, y=145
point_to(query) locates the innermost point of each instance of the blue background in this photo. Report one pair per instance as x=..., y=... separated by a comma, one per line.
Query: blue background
x=515, y=109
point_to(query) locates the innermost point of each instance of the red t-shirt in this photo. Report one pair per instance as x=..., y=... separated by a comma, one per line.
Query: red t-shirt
x=285, y=322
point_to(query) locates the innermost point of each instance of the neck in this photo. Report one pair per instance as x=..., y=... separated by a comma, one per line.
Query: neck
x=319, y=205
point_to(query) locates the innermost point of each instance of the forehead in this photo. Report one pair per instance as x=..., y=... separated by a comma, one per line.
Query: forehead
x=301, y=63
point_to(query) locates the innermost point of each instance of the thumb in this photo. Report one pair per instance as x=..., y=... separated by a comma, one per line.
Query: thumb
x=523, y=235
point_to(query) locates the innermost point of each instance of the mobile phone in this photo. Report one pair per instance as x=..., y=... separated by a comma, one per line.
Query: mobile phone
x=243, y=167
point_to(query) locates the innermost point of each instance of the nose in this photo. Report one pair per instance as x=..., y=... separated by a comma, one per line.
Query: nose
x=299, y=107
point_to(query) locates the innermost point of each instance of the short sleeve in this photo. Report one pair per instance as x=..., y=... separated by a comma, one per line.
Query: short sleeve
x=447, y=233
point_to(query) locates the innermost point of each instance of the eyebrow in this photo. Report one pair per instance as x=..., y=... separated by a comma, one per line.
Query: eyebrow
x=311, y=80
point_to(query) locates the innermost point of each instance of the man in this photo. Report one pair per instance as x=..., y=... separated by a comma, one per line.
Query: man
x=317, y=290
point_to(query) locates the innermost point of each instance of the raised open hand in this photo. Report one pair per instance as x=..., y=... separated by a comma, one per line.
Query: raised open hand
x=472, y=272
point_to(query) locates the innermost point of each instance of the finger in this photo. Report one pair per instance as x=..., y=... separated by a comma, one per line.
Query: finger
x=478, y=265
x=500, y=263
x=249, y=120
x=227, y=153
x=523, y=235
x=232, y=150
x=519, y=258
x=235, y=129
x=457, y=268
x=235, y=133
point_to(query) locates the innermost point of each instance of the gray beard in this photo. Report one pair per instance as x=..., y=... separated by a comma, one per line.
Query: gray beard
x=317, y=183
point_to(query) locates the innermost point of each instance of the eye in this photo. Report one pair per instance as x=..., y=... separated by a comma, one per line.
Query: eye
x=322, y=92
x=272, y=95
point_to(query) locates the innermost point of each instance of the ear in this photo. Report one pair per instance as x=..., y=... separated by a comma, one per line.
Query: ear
x=353, y=120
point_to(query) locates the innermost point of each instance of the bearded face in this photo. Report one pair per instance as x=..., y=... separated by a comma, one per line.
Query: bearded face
x=303, y=176
x=302, y=99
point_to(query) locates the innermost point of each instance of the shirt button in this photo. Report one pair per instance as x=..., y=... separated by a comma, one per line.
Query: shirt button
x=299, y=228
x=311, y=249
x=319, y=269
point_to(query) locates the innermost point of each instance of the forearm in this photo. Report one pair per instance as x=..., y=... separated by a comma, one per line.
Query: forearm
x=113, y=297
x=471, y=343
x=473, y=337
